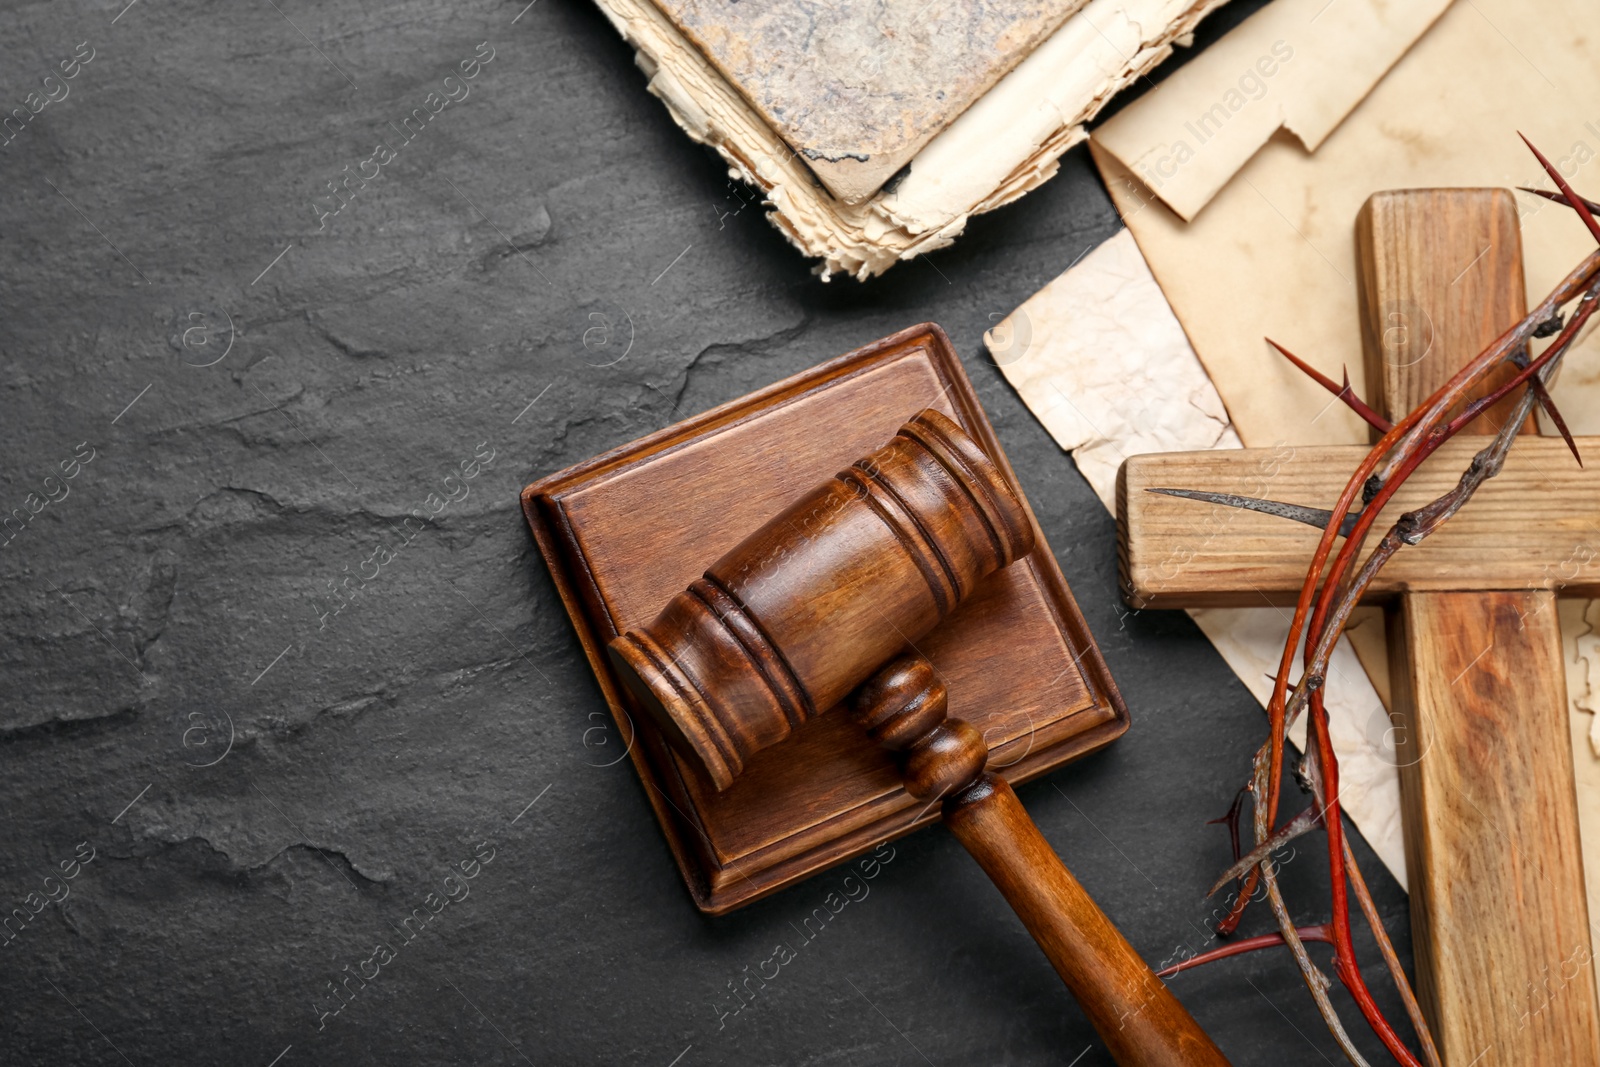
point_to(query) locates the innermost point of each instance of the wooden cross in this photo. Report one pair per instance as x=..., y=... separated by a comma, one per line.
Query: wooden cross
x=1500, y=922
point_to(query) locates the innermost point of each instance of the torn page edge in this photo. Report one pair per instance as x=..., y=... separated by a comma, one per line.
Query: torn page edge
x=1153, y=394
x=1300, y=66
x=866, y=239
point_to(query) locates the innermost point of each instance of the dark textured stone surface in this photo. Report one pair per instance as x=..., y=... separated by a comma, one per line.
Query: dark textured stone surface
x=172, y=600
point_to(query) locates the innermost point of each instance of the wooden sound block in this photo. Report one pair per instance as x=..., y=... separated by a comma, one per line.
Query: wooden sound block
x=626, y=531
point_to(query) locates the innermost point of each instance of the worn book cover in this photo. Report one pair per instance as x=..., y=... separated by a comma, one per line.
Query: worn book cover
x=871, y=133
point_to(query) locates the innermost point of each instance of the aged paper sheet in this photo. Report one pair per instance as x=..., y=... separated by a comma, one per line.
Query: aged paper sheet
x=857, y=88
x=1295, y=65
x=1099, y=357
x=1283, y=230
x=1273, y=253
x=1008, y=142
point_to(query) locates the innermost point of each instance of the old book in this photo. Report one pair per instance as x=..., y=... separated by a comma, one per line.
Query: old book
x=873, y=132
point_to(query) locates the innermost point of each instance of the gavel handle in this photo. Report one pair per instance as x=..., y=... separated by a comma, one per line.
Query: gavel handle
x=1133, y=1011
x=1142, y=1023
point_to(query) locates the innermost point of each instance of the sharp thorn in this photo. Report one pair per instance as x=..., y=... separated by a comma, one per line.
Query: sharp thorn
x=1579, y=204
x=1318, y=518
x=1345, y=393
x=1549, y=406
x=1300, y=824
x=1558, y=198
x=1311, y=372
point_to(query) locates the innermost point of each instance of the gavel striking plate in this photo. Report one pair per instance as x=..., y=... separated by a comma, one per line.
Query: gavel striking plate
x=834, y=601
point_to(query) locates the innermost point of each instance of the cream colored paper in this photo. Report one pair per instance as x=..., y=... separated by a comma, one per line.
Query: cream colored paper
x=1099, y=357
x=1005, y=144
x=1582, y=632
x=1273, y=254
x=1580, y=623
x=1283, y=230
x=1295, y=65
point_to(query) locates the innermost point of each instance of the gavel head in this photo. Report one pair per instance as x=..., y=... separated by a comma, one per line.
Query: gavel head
x=806, y=608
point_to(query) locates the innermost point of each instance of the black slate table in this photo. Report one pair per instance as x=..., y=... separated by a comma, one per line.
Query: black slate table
x=285, y=680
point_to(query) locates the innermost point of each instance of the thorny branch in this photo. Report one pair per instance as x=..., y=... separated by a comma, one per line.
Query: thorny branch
x=1328, y=595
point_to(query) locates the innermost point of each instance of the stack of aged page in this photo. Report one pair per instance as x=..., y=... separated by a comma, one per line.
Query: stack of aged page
x=874, y=131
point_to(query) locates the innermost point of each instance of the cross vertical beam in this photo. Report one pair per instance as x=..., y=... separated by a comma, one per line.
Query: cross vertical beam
x=1499, y=915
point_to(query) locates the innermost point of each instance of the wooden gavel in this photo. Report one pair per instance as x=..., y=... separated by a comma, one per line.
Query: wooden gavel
x=823, y=602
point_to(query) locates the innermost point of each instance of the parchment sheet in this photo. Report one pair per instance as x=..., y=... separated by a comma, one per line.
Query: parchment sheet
x=1100, y=358
x=1273, y=254
x=1295, y=65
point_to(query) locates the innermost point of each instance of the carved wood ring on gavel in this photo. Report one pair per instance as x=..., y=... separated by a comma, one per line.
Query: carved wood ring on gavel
x=805, y=609
x=903, y=708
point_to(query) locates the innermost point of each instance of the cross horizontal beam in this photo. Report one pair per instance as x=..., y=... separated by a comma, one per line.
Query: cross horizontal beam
x=1534, y=526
